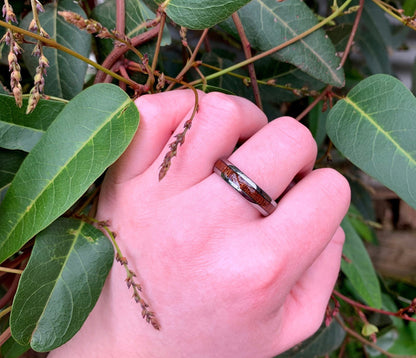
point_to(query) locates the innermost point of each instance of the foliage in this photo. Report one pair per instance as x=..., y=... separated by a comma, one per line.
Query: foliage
x=289, y=57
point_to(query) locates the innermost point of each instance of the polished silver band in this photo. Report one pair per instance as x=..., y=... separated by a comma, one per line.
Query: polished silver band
x=245, y=186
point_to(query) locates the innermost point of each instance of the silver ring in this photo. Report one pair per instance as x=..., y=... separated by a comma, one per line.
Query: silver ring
x=245, y=186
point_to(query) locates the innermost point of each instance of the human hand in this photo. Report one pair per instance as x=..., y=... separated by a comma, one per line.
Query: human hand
x=223, y=280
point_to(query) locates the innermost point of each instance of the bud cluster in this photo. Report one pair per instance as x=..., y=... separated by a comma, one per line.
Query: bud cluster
x=89, y=25
x=10, y=40
x=39, y=79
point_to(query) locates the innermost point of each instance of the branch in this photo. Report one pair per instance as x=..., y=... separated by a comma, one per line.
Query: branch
x=54, y=44
x=372, y=309
x=278, y=48
x=119, y=51
x=352, y=34
x=247, y=52
x=364, y=341
x=191, y=60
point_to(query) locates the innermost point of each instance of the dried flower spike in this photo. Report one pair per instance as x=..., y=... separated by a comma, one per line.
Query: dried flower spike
x=39, y=83
x=8, y=13
x=89, y=25
x=14, y=67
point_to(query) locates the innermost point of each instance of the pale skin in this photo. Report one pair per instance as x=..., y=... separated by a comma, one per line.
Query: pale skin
x=223, y=280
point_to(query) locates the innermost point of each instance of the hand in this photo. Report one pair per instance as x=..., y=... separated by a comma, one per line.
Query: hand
x=223, y=280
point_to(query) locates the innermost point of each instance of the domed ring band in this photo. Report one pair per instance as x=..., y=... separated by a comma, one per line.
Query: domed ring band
x=245, y=186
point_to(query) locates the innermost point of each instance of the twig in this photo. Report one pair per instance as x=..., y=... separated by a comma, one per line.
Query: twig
x=190, y=61
x=278, y=48
x=247, y=52
x=120, y=16
x=159, y=41
x=352, y=34
x=364, y=341
x=372, y=309
x=390, y=10
x=119, y=51
x=53, y=44
x=314, y=103
x=341, y=64
x=5, y=336
x=10, y=270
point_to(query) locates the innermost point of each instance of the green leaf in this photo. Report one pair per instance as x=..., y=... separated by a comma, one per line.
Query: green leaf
x=61, y=284
x=12, y=349
x=360, y=226
x=136, y=14
x=88, y=135
x=21, y=131
x=323, y=342
x=375, y=128
x=317, y=123
x=10, y=161
x=202, y=14
x=65, y=75
x=269, y=23
x=358, y=268
x=368, y=329
x=409, y=7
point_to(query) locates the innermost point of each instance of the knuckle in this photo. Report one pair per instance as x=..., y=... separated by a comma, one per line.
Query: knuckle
x=335, y=186
x=296, y=134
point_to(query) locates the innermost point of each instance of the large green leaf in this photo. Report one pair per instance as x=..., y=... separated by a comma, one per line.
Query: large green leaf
x=323, y=342
x=375, y=128
x=269, y=23
x=61, y=284
x=136, y=14
x=199, y=14
x=65, y=75
x=87, y=136
x=21, y=131
x=358, y=268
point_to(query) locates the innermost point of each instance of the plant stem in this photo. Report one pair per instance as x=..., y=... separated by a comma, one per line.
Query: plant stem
x=120, y=16
x=368, y=308
x=352, y=34
x=277, y=48
x=119, y=51
x=190, y=61
x=159, y=41
x=10, y=270
x=5, y=311
x=54, y=44
x=389, y=9
x=247, y=52
x=314, y=103
x=364, y=341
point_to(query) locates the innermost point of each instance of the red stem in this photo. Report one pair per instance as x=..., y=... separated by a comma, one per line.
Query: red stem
x=120, y=16
x=247, y=52
x=119, y=51
x=372, y=309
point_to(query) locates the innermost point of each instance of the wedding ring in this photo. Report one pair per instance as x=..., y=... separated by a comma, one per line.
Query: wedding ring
x=245, y=186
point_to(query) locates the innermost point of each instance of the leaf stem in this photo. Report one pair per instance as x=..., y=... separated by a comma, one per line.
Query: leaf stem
x=10, y=270
x=277, y=48
x=54, y=44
